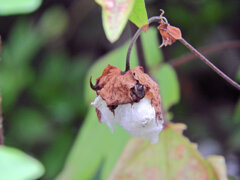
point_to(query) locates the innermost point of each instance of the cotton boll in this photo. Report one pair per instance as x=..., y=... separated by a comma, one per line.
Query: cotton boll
x=106, y=115
x=139, y=119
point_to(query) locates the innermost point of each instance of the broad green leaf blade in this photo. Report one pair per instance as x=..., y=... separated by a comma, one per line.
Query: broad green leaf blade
x=169, y=86
x=11, y=7
x=174, y=157
x=117, y=58
x=139, y=14
x=14, y=164
x=115, y=14
x=95, y=146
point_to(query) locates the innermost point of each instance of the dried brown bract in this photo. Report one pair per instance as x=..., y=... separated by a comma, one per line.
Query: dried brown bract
x=130, y=99
x=169, y=33
x=116, y=87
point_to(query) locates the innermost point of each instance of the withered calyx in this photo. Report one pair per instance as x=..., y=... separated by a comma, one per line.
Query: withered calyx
x=118, y=88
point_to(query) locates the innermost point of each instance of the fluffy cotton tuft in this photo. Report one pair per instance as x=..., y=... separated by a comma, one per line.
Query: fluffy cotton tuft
x=139, y=119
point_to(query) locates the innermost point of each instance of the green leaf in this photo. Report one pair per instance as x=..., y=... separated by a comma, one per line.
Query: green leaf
x=15, y=164
x=139, y=14
x=39, y=131
x=18, y=6
x=50, y=16
x=169, y=86
x=115, y=14
x=238, y=75
x=174, y=157
x=54, y=155
x=236, y=115
x=16, y=57
x=94, y=146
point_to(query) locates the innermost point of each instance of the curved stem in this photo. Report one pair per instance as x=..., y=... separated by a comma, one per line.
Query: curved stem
x=211, y=65
x=184, y=42
x=139, y=48
x=134, y=39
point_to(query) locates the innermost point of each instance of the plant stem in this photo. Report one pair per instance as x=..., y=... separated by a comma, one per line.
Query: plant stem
x=212, y=66
x=203, y=58
x=134, y=39
x=205, y=51
x=140, y=52
x=136, y=35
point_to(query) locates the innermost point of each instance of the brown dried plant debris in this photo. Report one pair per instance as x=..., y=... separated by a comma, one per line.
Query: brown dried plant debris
x=169, y=33
x=116, y=88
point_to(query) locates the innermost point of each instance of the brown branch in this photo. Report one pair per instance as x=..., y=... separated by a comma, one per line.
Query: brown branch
x=134, y=39
x=206, y=51
x=211, y=65
x=184, y=42
x=140, y=52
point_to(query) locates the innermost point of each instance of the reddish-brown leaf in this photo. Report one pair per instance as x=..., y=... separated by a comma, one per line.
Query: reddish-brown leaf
x=173, y=158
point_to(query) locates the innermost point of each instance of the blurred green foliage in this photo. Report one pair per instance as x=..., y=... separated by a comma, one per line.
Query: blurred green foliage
x=18, y=6
x=50, y=91
x=15, y=164
x=45, y=71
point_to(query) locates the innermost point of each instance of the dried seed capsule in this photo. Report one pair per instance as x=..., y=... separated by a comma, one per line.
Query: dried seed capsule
x=131, y=100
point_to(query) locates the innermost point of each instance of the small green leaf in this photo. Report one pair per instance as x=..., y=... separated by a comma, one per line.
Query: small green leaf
x=11, y=7
x=174, y=157
x=115, y=14
x=139, y=14
x=169, y=86
x=14, y=164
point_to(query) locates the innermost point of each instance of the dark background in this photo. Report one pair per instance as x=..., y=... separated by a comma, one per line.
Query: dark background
x=46, y=55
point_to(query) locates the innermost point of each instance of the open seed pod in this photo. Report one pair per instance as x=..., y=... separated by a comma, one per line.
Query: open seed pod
x=131, y=99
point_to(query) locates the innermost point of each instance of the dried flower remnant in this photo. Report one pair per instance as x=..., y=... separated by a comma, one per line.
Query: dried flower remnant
x=169, y=33
x=131, y=99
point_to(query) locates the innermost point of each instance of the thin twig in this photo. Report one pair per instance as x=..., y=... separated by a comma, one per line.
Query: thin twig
x=140, y=52
x=212, y=66
x=203, y=58
x=205, y=51
x=135, y=37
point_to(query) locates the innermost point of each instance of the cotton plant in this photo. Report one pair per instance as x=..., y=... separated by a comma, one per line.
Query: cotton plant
x=131, y=98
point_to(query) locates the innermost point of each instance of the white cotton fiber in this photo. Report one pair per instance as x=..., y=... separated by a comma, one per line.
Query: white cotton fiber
x=139, y=119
